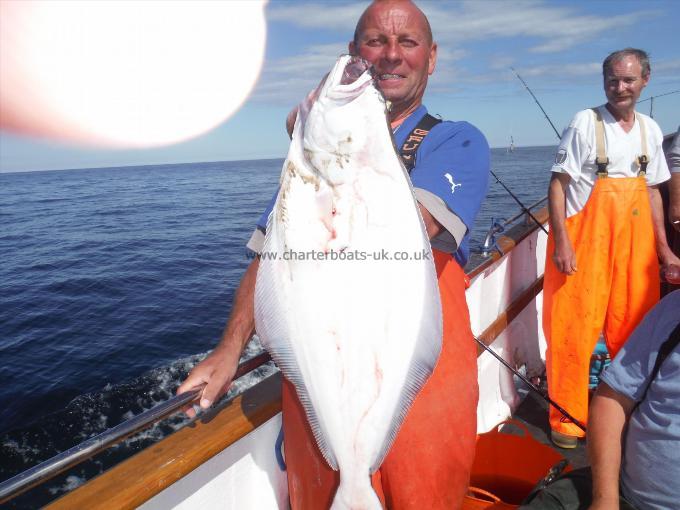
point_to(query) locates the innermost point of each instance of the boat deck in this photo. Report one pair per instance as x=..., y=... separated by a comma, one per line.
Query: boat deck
x=533, y=412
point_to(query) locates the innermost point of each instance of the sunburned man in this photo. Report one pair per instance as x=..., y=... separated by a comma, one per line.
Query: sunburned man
x=429, y=463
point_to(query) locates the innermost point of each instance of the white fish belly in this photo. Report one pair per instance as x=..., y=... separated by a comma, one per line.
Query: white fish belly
x=358, y=333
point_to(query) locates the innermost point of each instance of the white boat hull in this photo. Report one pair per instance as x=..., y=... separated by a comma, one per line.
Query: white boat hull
x=246, y=475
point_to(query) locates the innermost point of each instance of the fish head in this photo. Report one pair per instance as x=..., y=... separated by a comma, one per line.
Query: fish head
x=348, y=79
x=337, y=121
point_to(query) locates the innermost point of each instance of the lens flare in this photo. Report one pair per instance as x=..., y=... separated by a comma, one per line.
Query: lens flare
x=126, y=74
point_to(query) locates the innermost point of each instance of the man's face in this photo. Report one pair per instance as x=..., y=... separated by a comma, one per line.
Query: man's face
x=623, y=83
x=394, y=38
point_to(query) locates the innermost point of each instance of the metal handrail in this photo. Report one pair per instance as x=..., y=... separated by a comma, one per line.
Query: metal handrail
x=67, y=459
x=498, y=226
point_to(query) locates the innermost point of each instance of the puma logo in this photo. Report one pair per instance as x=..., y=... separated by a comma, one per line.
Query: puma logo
x=453, y=184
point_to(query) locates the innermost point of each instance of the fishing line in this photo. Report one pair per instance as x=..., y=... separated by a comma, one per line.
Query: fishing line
x=531, y=385
x=651, y=99
x=520, y=203
x=659, y=95
x=535, y=99
x=558, y=136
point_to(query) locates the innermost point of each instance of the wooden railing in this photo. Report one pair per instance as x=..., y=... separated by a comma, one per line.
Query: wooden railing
x=139, y=478
x=144, y=475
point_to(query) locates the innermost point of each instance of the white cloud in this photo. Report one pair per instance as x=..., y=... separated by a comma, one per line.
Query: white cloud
x=339, y=16
x=556, y=27
x=564, y=71
x=501, y=62
x=450, y=55
x=314, y=59
x=540, y=26
x=286, y=81
x=671, y=66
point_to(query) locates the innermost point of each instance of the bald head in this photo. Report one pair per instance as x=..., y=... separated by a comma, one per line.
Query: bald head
x=378, y=7
x=395, y=37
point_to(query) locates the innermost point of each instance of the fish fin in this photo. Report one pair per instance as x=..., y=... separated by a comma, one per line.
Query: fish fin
x=315, y=425
x=285, y=360
x=418, y=375
x=275, y=340
x=352, y=495
x=423, y=363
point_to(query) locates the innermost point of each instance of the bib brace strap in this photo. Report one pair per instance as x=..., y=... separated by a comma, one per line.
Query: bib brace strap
x=602, y=160
x=415, y=138
x=642, y=160
x=665, y=350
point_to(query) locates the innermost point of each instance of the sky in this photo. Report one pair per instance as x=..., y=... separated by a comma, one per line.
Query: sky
x=557, y=47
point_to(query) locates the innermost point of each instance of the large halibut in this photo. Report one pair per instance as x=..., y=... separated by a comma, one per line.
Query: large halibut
x=346, y=299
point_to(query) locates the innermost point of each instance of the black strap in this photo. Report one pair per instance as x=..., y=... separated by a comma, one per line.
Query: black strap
x=643, y=161
x=664, y=351
x=415, y=138
x=602, y=167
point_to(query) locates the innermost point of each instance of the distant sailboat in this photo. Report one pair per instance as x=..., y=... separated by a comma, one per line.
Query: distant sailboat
x=512, y=145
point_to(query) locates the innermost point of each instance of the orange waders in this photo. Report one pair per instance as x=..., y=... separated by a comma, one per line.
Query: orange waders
x=616, y=283
x=429, y=463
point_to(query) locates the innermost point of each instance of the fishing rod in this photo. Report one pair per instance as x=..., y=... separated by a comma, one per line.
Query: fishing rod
x=531, y=385
x=535, y=99
x=520, y=203
x=651, y=99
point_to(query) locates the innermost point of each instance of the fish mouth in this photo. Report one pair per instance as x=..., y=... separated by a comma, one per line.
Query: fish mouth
x=350, y=77
x=354, y=69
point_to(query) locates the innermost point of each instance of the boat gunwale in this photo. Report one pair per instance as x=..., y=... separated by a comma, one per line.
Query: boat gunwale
x=232, y=420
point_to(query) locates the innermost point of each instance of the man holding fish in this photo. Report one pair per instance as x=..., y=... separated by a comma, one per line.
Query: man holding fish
x=427, y=464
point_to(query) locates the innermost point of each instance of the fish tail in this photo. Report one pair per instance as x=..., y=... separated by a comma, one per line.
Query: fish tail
x=355, y=496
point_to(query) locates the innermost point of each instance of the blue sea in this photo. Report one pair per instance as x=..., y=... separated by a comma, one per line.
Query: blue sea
x=114, y=282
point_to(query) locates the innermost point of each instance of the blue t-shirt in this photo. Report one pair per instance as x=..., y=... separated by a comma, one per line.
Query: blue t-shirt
x=452, y=163
x=650, y=470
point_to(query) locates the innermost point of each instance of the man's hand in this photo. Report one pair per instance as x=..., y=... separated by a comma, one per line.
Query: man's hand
x=564, y=257
x=218, y=369
x=668, y=258
x=216, y=373
x=307, y=103
x=290, y=121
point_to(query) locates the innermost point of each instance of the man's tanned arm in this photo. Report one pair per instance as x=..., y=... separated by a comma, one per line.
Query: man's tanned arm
x=564, y=256
x=432, y=226
x=674, y=207
x=218, y=369
x=609, y=413
x=666, y=255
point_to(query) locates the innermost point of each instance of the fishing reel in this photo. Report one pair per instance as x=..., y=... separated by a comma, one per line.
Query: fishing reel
x=490, y=243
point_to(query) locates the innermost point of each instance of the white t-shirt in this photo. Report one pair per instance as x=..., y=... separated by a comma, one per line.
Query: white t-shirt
x=577, y=152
